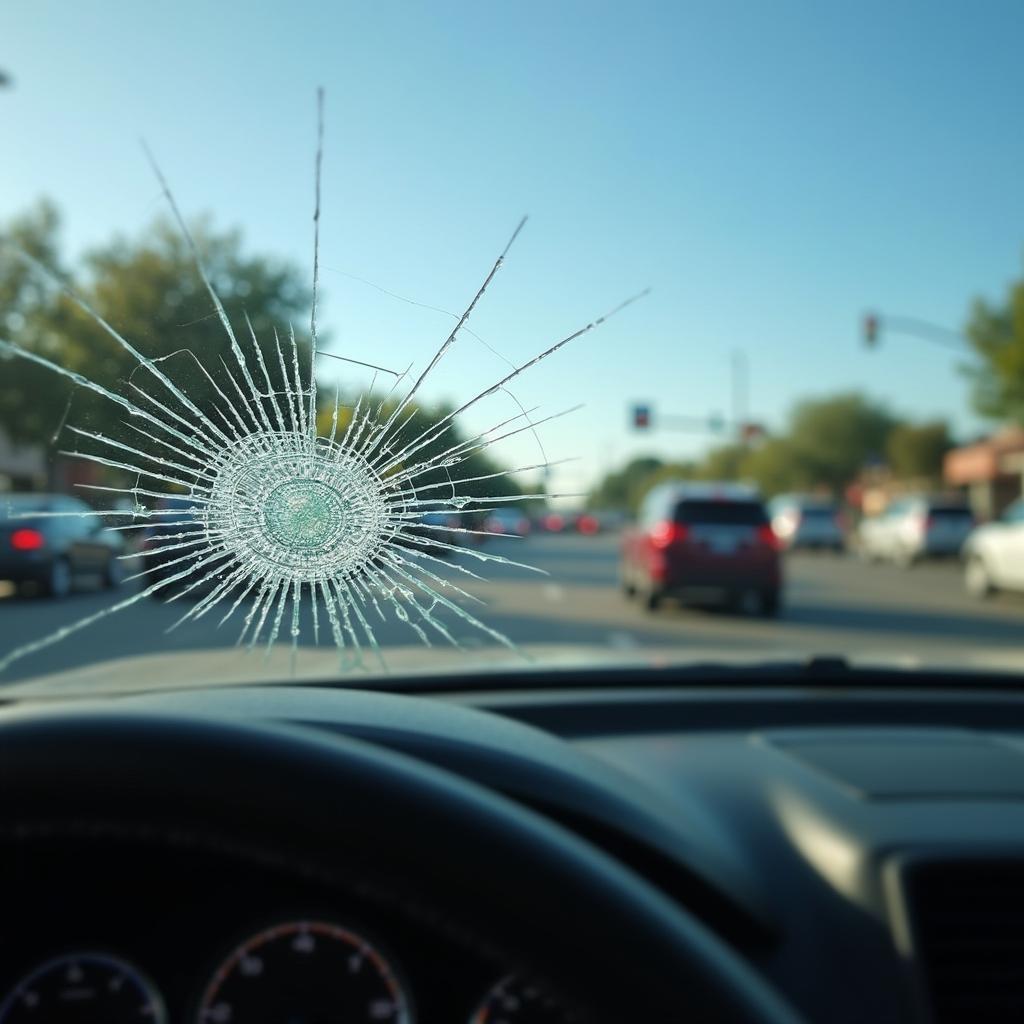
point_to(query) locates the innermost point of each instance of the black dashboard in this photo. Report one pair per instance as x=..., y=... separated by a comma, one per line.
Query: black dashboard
x=860, y=848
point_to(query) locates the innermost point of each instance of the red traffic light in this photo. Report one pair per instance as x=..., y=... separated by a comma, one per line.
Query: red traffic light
x=641, y=416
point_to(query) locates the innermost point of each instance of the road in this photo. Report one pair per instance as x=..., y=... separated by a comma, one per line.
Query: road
x=833, y=605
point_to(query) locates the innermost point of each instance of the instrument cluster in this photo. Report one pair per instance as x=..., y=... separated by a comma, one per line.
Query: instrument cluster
x=144, y=942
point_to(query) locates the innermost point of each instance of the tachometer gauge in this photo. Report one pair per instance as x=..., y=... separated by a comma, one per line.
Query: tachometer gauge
x=514, y=1000
x=83, y=988
x=308, y=971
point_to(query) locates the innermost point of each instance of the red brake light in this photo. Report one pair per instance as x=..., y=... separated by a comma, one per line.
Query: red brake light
x=665, y=534
x=766, y=535
x=27, y=540
x=587, y=524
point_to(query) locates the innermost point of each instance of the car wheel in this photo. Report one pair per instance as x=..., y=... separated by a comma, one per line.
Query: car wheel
x=771, y=603
x=59, y=579
x=652, y=600
x=113, y=575
x=976, y=578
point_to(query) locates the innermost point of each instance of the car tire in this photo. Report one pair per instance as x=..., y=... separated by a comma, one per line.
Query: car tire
x=652, y=600
x=113, y=575
x=771, y=603
x=59, y=580
x=977, y=580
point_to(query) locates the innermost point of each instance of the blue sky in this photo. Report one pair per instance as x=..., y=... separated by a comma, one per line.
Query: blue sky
x=771, y=170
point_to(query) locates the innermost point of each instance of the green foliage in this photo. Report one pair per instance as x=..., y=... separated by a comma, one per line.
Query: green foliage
x=775, y=467
x=916, y=452
x=997, y=335
x=32, y=400
x=619, y=490
x=722, y=463
x=832, y=439
x=150, y=292
x=415, y=420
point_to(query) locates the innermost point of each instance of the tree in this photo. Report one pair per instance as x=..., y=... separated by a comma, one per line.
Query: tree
x=440, y=482
x=916, y=451
x=623, y=488
x=996, y=334
x=722, y=463
x=150, y=292
x=32, y=399
x=775, y=467
x=832, y=439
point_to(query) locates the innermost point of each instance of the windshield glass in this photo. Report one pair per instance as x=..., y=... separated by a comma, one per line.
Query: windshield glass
x=295, y=390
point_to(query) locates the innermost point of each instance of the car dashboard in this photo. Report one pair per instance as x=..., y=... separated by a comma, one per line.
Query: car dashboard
x=862, y=847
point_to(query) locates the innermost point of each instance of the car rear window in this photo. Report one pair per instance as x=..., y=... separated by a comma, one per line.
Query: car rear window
x=947, y=512
x=728, y=513
x=818, y=512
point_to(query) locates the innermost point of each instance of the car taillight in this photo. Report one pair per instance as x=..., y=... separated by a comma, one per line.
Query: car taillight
x=666, y=534
x=587, y=524
x=767, y=536
x=27, y=540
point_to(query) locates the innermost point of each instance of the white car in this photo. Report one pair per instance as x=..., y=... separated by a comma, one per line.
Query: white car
x=995, y=554
x=912, y=529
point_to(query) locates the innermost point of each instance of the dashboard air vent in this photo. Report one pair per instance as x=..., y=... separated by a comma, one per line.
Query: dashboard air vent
x=968, y=924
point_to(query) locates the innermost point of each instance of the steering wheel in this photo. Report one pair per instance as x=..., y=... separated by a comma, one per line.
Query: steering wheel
x=521, y=882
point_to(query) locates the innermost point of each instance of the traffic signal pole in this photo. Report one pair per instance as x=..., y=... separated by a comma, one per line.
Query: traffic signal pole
x=914, y=327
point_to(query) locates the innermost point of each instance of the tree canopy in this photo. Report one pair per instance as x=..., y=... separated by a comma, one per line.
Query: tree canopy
x=150, y=291
x=996, y=333
x=916, y=451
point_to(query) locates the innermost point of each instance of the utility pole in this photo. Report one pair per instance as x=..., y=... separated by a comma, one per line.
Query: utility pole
x=740, y=391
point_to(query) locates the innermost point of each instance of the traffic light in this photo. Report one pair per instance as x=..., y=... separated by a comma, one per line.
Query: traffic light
x=871, y=326
x=641, y=417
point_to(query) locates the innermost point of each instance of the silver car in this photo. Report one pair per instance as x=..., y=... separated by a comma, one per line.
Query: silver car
x=802, y=521
x=912, y=529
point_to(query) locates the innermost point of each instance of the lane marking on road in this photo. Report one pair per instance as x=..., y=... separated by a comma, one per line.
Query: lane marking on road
x=621, y=640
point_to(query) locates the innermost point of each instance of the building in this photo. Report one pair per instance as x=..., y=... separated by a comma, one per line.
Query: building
x=990, y=472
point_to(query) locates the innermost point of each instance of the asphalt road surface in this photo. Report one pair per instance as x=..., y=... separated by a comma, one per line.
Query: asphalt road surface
x=833, y=605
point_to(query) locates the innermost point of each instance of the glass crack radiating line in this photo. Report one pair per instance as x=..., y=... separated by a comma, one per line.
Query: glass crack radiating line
x=267, y=514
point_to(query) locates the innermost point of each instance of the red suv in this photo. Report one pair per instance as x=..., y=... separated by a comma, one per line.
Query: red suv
x=701, y=544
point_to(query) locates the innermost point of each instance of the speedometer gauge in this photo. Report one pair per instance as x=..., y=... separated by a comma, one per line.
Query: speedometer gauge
x=305, y=971
x=82, y=988
x=512, y=1000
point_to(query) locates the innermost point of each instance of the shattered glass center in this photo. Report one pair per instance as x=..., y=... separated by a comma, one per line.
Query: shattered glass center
x=303, y=514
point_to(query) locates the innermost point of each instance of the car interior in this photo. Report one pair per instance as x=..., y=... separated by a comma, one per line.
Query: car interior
x=805, y=842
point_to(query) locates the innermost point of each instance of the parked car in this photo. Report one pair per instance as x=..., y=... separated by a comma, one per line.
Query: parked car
x=912, y=529
x=702, y=543
x=510, y=521
x=53, y=551
x=803, y=521
x=172, y=516
x=994, y=554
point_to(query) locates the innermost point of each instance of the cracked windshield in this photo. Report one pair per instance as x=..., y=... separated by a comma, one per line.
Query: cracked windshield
x=346, y=340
